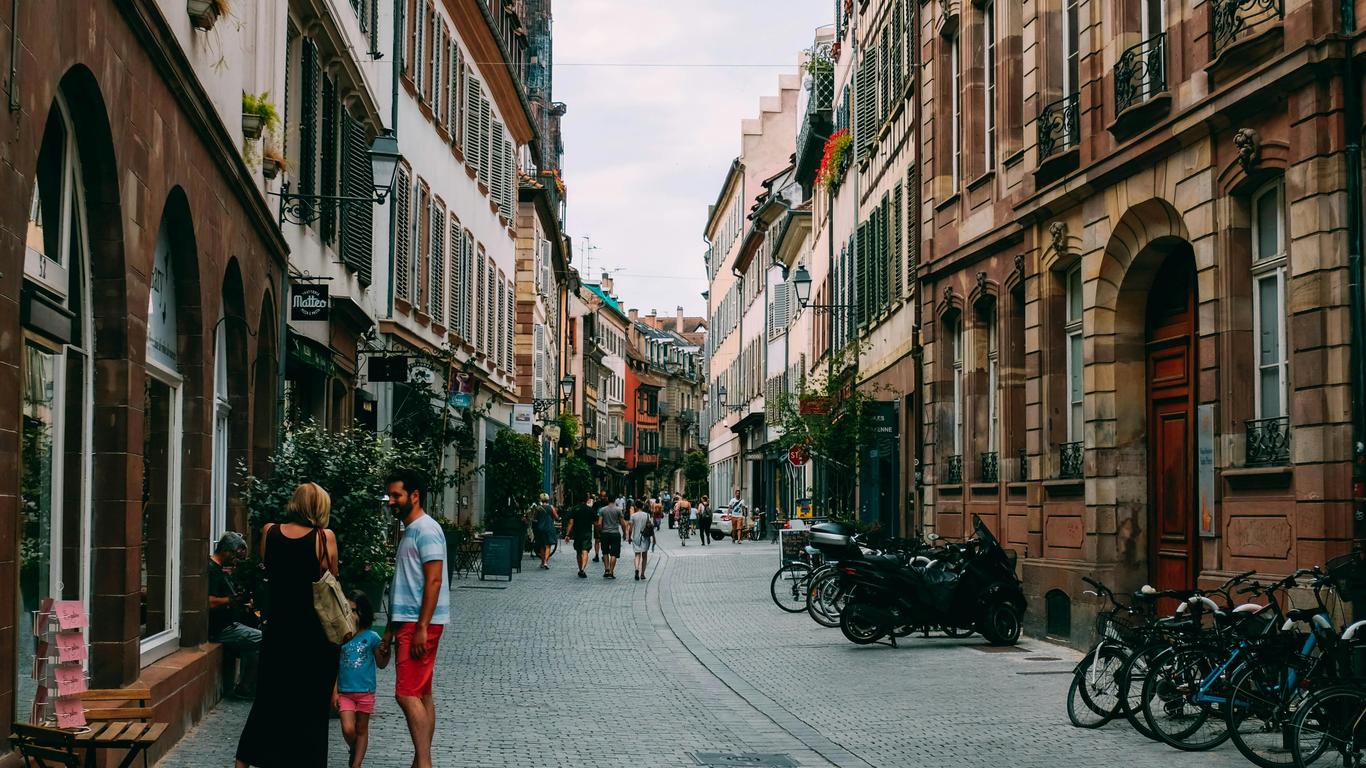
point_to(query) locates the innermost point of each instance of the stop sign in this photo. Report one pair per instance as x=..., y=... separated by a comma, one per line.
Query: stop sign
x=798, y=455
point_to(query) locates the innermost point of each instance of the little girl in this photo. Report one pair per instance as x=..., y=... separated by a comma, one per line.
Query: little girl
x=354, y=694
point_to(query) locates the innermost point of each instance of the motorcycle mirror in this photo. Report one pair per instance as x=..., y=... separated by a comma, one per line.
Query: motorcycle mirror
x=1147, y=589
x=933, y=537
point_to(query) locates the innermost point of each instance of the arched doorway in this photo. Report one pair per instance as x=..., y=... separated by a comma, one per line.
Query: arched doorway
x=1173, y=545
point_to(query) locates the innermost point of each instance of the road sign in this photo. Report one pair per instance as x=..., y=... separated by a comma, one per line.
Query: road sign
x=798, y=455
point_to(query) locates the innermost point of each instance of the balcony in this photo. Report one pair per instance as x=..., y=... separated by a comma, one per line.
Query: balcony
x=1235, y=22
x=990, y=467
x=1268, y=442
x=953, y=470
x=1059, y=136
x=816, y=122
x=1141, y=85
x=1070, y=461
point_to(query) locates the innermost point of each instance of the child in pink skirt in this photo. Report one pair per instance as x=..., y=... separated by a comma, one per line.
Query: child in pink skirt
x=354, y=694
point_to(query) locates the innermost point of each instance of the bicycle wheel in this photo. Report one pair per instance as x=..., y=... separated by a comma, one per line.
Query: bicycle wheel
x=1170, y=706
x=789, y=586
x=1330, y=728
x=1259, y=716
x=824, y=597
x=1093, y=698
x=1131, y=686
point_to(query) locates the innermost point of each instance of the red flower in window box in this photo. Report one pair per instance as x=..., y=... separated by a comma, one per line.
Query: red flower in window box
x=835, y=159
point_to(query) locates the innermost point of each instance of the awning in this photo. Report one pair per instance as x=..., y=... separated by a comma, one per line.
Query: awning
x=307, y=352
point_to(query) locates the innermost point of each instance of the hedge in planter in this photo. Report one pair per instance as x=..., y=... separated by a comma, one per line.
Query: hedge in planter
x=513, y=477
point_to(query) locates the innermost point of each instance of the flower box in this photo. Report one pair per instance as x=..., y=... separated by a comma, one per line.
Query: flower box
x=203, y=13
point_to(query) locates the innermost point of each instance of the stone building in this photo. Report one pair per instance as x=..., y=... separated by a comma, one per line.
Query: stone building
x=140, y=264
x=1135, y=288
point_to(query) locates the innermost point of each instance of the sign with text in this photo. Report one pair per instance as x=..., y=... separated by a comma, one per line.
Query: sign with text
x=70, y=646
x=309, y=302
x=815, y=406
x=70, y=614
x=1204, y=459
x=497, y=554
x=522, y=416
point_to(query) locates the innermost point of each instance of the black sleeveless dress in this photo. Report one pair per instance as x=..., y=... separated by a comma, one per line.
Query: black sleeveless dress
x=289, y=721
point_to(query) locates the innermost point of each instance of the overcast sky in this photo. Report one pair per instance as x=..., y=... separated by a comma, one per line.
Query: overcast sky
x=656, y=91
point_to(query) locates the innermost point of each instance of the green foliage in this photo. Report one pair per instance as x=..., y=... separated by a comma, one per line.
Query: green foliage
x=259, y=104
x=350, y=465
x=820, y=65
x=569, y=430
x=513, y=479
x=426, y=432
x=576, y=478
x=695, y=470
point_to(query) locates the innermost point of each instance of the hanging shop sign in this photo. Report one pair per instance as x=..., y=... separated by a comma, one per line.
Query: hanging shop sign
x=458, y=399
x=310, y=302
x=522, y=416
x=381, y=369
x=815, y=406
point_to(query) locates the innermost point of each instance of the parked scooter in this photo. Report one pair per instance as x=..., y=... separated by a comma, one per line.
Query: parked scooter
x=973, y=586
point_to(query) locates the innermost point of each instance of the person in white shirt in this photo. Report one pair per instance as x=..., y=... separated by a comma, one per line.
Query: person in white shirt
x=737, y=518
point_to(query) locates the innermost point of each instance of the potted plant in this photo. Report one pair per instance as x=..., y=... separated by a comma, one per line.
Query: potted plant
x=272, y=161
x=834, y=160
x=205, y=13
x=258, y=114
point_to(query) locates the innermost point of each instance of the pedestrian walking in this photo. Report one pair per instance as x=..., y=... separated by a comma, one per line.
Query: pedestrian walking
x=704, y=520
x=657, y=516
x=543, y=529
x=642, y=537
x=354, y=695
x=288, y=724
x=737, y=518
x=667, y=505
x=687, y=518
x=580, y=530
x=419, y=609
x=611, y=526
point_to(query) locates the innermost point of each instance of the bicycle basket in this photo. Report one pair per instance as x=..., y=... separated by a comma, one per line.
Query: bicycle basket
x=1120, y=626
x=1348, y=573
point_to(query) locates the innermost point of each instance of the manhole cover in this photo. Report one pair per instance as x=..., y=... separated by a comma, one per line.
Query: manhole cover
x=728, y=759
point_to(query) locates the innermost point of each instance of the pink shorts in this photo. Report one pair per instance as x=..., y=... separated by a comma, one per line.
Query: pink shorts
x=356, y=702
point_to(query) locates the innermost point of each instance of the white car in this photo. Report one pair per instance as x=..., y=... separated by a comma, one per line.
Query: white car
x=722, y=523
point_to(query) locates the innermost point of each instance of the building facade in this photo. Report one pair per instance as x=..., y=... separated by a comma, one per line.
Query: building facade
x=1136, y=303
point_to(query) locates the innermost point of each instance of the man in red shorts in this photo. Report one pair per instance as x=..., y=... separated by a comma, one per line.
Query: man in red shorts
x=419, y=608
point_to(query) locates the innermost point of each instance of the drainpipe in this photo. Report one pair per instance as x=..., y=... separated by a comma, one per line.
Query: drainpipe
x=393, y=126
x=12, y=84
x=1352, y=157
x=740, y=356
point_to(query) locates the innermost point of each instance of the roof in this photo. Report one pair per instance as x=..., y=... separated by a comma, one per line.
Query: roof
x=607, y=300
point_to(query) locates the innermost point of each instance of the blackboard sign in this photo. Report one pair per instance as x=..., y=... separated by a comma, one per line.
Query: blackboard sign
x=497, y=554
x=793, y=544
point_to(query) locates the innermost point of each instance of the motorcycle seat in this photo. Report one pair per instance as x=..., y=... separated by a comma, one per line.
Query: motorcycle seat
x=883, y=559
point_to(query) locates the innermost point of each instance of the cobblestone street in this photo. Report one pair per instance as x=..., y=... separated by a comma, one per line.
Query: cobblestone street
x=552, y=670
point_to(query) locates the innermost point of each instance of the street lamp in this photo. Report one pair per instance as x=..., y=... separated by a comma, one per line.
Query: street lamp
x=305, y=209
x=801, y=282
x=542, y=405
x=721, y=399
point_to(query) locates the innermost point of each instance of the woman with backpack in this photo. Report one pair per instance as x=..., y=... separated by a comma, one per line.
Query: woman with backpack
x=642, y=536
x=704, y=520
x=544, y=529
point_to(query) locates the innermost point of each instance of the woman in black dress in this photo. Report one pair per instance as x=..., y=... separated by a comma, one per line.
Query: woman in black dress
x=288, y=725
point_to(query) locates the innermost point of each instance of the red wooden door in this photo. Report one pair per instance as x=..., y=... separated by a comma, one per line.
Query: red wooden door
x=1172, y=542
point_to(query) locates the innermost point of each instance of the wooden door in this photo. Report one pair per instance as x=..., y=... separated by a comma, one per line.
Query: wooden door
x=1172, y=541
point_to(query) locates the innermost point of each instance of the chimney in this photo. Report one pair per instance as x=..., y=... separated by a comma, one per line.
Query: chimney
x=653, y=315
x=606, y=283
x=634, y=313
x=679, y=328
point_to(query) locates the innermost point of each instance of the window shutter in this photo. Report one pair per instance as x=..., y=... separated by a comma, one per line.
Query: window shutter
x=485, y=129
x=438, y=84
x=358, y=220
x=467, y=289
x=437, y=300
x=912, y=227
x=884, y=275
x=538, y=364
x=867, y=101
x=402, y=241
x=410, y=28
x=421, y=215
x=510, y=188
x=481, y=302
x=898, y=283
x=897, y=47
x=498, y=173
x=419, y=60
x=457, y=281
x=498, y=326
x=453, y=89
x=490, y=316
x=330, y=108
x=468, y=145
x=308, y=120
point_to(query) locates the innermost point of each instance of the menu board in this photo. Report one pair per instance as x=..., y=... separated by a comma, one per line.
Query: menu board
x=497, y=555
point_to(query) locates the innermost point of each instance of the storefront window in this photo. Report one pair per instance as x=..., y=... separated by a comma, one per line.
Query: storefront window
x=160, y=572
x=55, y=396
x=218, y=519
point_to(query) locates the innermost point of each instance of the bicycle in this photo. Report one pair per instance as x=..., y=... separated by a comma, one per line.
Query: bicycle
x=790, y=585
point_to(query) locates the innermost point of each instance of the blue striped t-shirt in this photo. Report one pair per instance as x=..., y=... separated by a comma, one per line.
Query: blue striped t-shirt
x=422, y=542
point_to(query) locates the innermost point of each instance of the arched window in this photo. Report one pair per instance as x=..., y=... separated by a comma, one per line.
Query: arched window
x=161, y=461
x=56, y=392
x=222, y=409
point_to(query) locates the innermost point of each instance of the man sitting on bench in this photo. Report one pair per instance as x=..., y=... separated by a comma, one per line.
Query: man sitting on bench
x=229, y=609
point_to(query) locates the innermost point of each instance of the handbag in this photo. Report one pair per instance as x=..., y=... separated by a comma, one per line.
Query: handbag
x=329, y=601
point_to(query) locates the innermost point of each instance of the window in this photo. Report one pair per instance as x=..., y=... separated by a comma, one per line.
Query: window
x=161, y=411
x=993, y=381
x=956, y=109
x=954, y=329
x=1268, y=299
x=1075, y=422
x=989, y=84
x=1071, y=48
x=422, y=215
x=218, y=500
x=403, y=233
x=436, y=260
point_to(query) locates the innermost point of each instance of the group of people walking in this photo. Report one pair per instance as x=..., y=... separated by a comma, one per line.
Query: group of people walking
x=303, y=675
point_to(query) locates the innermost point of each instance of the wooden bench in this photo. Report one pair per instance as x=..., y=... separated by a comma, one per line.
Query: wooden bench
x=111, y=726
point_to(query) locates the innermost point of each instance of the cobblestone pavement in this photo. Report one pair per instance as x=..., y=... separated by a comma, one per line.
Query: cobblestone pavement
x=552, y=670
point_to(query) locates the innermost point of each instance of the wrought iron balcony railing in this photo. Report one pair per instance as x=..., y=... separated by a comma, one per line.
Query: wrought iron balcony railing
x=1141, y=72
x=1069, y=461
x=1059, y=125
x=991, y=467
x=953, y=473
x=1268, y=442
x=1024, y=465
x=1233, y=20
x=815, y=124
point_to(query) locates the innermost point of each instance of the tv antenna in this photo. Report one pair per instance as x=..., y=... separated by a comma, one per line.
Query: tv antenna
x=588, y=249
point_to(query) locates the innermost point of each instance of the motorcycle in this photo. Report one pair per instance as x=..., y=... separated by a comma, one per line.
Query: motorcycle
x=972, y=587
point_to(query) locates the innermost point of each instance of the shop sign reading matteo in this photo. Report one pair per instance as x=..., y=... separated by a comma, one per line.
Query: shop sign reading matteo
x=309, y=302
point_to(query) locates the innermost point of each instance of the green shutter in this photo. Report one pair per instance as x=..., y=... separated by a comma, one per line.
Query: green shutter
x=328, y=219
x=898, y=284
x=358, y=224
x=308, y=119
x=912, y=228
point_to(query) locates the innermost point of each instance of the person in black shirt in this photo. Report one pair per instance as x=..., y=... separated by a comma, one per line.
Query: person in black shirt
x=227, y=608
x=581, y=522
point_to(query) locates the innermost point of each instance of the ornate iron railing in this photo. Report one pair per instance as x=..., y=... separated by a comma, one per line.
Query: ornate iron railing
x=1268, y=442
x=1024, y=465
x=1060, y=125
x=1234, y=19
x=954, y=470
x=991, y=467
x=1141, y=72
x=1069, y=461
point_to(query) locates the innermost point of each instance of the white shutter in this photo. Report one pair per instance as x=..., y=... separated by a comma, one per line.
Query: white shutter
x=402, y=241
x=481, y=299
x=538, y=364
x=510, y=185
x=466, y=283
x=437, y=246
x=498, y=174
x=485, y=126
x=508, y=323
x=490, y=319
x=468, y=145
x=453, y=256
